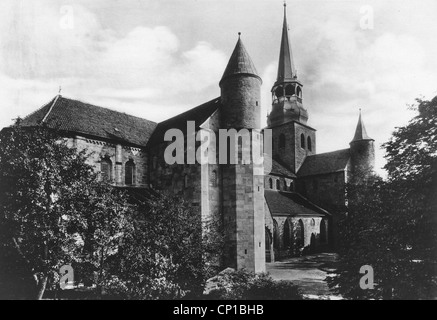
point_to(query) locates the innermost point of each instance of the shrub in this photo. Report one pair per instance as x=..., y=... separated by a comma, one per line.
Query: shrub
x=247, y=285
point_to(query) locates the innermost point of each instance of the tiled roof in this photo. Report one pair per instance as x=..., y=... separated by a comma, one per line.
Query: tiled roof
x=83, y=118
x=324, y=163
x=198, y=114
x=276, y=167
x=239, y=63
x=291, y=204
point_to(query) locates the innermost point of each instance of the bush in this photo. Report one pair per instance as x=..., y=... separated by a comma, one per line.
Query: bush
x=247, y=285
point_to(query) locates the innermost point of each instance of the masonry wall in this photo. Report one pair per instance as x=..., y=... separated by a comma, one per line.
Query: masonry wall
x=183, y=180
x=118, y=154
x=302, y=153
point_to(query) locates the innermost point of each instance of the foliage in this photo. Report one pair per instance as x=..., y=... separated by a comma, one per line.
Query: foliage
x=166, y=254
x=247, y=285
x=391, y=225
x=53, y=210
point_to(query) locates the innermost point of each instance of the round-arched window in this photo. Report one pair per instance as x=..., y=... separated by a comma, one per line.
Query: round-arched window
x=302, y=141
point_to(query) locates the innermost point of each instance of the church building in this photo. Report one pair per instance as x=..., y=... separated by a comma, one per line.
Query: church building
x=291, y=209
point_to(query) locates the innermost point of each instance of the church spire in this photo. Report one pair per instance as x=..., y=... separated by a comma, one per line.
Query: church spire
x=286, y=70
x=287, y=90
x=360, y=131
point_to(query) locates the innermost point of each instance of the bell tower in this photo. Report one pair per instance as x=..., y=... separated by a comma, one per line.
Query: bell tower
x=293, y=139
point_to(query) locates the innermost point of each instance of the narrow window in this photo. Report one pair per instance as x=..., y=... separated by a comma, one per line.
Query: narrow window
x=270, y=183
x=309, y=143
x=129, y=170
x=302, y=141
x=278, y=186
x=281, y=141
x=106, y=169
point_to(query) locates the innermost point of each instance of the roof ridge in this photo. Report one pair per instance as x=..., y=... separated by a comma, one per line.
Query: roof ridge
x=106, y=108
x=324, y=153
x=189, y=110
x=39, y=109
x=51, y=108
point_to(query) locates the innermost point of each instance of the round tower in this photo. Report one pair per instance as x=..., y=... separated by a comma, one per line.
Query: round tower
x=362, y=152
x=240, y=91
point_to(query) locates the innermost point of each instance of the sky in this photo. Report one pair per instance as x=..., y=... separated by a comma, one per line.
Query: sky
x=157, y=58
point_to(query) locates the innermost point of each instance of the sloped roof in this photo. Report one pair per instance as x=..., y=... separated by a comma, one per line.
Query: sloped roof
x=276, y=167
x=324, y=163
x=286, y=70
x=360, y=131
x=291, y=204
x=198, y=114
x=239, y=63
x=79, y=117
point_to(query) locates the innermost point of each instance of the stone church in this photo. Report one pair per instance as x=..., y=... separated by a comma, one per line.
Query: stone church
x=290, y=210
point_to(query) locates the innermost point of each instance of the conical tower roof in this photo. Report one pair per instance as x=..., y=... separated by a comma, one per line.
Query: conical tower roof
x=240, y=62
x=360, y=131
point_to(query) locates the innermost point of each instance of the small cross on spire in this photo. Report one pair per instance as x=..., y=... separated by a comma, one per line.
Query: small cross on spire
x=60, y=89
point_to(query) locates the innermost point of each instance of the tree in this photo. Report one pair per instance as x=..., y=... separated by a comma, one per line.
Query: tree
x=169, y=252
x=391, y=225
x=53, y=210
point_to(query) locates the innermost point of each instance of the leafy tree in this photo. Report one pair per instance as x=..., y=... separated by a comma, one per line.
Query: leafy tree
x=169, y=252
x=53, y=211
x=391, y=225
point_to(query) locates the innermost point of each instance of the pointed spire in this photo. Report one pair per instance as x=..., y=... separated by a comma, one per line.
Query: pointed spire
x=240, y=62
x=360, y=131
x=286, y=70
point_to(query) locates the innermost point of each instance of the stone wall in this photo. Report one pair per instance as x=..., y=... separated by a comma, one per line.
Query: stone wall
x=118, y=155
x=302, y=153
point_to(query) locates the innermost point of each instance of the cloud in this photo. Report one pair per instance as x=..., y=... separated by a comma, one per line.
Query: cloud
x=44, y=45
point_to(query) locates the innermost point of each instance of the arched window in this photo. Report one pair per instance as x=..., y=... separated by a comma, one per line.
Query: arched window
x=323, y=237
x=291, y=187
x=270, y=183
x=282, y=141
x=309, y=143
x=299, y=92
x=268, y=239
x=302, y=141
x=279, y=92
x=300, y=234
x=278, y=185
x=106, y=169
x=129, y=173
x=287, y=234
x=313, y=222
x=289, y=90
x=214, y=178
x=275, y=235
x=285, y=186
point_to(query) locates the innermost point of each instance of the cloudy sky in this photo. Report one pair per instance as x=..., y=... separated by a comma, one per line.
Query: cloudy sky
x=157, y=58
